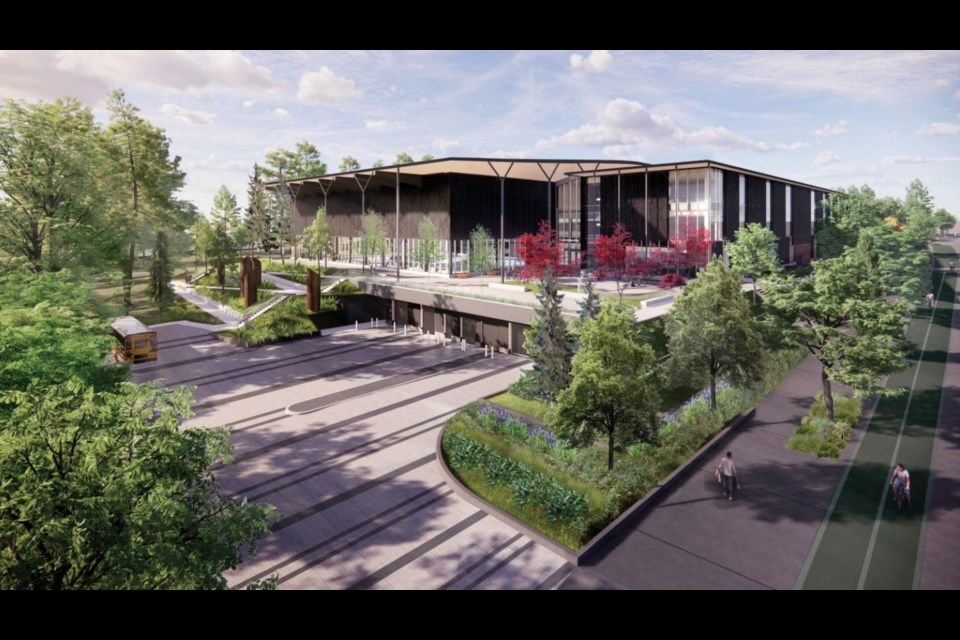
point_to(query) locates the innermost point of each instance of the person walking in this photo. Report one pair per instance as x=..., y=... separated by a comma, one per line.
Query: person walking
x=900, y=481
x=727, y=471
x=930, y=300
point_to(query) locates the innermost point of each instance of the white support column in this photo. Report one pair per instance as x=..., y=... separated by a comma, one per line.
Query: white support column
x=789, y=209
x=813, y=208
x=742, y=209
x=768, y=204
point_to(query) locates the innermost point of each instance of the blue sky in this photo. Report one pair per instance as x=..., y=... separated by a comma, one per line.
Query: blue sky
x=829, y=118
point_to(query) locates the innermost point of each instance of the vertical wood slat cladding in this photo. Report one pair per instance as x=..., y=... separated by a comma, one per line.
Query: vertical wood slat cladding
x=731, y=204
x=658, y=203
x=756, y=200
x=495, y=333
x=778, y=208
x=631, y=190
x=608, y=204
x=800, y=215
x=416, y=203
x=519, y=338
x=476, y=200
x=783, y=249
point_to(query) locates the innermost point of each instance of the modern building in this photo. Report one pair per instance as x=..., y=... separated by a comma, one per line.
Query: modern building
x=657, y=203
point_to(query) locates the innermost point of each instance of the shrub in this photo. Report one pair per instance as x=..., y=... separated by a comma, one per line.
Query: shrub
x=828, y=449
x=808, y=443
x=639, y=448
x=670, y=280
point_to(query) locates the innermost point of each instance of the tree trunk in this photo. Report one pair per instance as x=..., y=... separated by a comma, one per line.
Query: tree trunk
x=827, y=393
x=128, y=277
x=713, y=391
x=610, y=449
x=754, y=291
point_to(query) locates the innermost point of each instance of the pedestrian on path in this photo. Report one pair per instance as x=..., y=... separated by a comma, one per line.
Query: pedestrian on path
x=930, y=300
x=727, y=472
x=901, y=481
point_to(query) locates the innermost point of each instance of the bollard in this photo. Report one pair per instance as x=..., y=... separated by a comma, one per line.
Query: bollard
x=394, y=327
x=405, y=330
x=371, y=323
x=356, y=326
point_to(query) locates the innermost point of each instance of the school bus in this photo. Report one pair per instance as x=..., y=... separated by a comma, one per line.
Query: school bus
x=137, y=342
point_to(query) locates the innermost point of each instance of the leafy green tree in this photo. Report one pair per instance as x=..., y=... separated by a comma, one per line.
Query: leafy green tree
x=377, y=163
x=225, y=211
x=222, y=250
x=349, y=163
x=903, y=270
x=303, y=161
x=548, y=341
x=945, y=220
x=317, y=238
x=615, y=387
x=711, y=334
x=283, y=214
x=259, y=219
x=426, y=158
x=140, y=153
x=51, y=209
x=106, y=490
x=482, y=256
x=51, y=329
x=161, y=272
x=374, y=235
x=403, y=158
x=753, y=254
x=589, y=306
x=428, y=249
x=202, y=233
x=842, y=316
x=921, y=224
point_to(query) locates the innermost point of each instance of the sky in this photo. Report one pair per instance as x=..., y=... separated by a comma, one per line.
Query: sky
x=827, y=118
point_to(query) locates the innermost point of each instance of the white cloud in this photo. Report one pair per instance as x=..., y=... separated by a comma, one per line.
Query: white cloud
x=834, y=129
x=187, y=115
x=625, y=123
x=178, y=70
x=825, y=158
x=31, y=75
x=212, y=163
x=841, y=170
x=939, y=129
x=598, y=61
x=384, y=125
x=919, y=159
x=445, y=143
x=324, y=86
x=281, y=114
x=248, y=103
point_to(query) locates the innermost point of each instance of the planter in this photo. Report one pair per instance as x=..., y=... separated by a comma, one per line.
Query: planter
x=490, y=273
x=463, y=275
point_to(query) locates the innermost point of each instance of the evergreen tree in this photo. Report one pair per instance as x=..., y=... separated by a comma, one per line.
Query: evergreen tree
x=303, y=161
x=161, y=272
x=548, y=341
x=259, y=219
x=403, y=158
x=349, y=163
x=589, y=306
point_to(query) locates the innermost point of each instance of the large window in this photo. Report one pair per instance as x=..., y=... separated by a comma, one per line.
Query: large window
x=696, y=202
x=568, y=219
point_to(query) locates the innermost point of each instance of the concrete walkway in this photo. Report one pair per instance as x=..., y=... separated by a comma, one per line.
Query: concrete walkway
x=285, y=286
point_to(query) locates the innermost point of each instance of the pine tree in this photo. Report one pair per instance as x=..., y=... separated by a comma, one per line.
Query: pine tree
x=158, y=288
x=589, y=306
x=548, y=342
x=259, y=219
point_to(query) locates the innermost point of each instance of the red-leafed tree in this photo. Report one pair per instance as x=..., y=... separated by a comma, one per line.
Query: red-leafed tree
x=692, y=250
x=611, y=254
x=539, y=251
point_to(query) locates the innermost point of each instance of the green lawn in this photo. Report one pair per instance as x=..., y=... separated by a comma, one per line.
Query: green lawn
x=533, y=408
x=109, y=290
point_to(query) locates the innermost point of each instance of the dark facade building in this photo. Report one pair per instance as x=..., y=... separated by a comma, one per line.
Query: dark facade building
x=581, y=198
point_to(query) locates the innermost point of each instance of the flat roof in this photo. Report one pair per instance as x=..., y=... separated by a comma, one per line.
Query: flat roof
x=521, y=168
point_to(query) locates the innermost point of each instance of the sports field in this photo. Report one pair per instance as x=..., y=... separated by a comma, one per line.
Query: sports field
x=864, y=542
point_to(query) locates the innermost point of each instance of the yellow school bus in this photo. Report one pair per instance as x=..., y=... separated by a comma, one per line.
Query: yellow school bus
x=137, y=342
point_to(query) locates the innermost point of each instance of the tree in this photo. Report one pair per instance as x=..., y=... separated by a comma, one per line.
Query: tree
x=482, y=254
x=259, y=219
x=51, y=207
x=428, y=249
x=615, y=386
x=202, y=234
x=589, y=306
x=945, y=220
x=611, y=254
x=403, y=158
x=161, y=272
x=547, y=340
x=753, y=254
x=140, y=153
x=426, y=158
x=851, y=210
x=303, y=161
x=921, y=224
x=349, y=163
x=317, y=238
x=374, y=238
x=377, y=163
x=222, y=250
x=842, y=316
x=51, y=329
x=539, y=251
x=711, y=334
x=225, y=211
x=105, y=490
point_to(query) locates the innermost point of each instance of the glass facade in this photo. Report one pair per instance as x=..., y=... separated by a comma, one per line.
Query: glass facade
x=568, y=218
x=593, y=215
x=696, y=202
